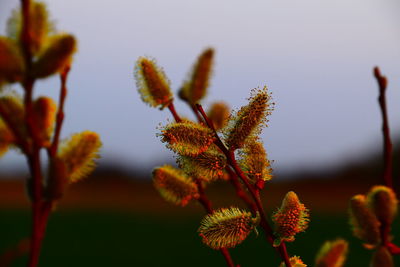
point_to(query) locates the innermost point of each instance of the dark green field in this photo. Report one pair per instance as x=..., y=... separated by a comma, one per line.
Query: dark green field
x=121, y=239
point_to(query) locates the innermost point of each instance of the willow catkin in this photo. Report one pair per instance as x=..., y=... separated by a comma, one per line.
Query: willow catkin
x=152, y=83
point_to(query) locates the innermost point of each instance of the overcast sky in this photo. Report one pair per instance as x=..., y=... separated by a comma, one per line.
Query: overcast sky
x=316, y=57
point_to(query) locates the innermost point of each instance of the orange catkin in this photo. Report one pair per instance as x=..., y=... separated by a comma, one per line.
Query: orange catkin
x=248, y=121
x=195, y=88
x=152, y=83
x=187, y=138
x=174, y=185
x=332, y=254
x=363, y=221
x=226, y=228
x=291, y=218
x=219, y=114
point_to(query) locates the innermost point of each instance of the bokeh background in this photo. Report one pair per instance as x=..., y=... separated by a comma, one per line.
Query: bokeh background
x=316, y=57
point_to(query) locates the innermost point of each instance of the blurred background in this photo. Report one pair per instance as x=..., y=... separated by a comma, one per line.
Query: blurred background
x=316, y=57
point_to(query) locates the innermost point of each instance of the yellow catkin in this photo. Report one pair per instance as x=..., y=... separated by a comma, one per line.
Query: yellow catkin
x=332, y=254
x=195, y=88
x=45, y=114
x=152, y=83
x=56, y=56
x=207, y=166
x=248, y=121
x=219, y=114
x=6, y=138
x=187, y=138
x=226, y=227
x=13, y=108
x=363, y=221
x=174, y=185
x=39, y=27
x=383, y=202
x=79, y=153
x=254, y=161
x=382, y=258
x=295, y=261
x=291, y=218
x=11, y=61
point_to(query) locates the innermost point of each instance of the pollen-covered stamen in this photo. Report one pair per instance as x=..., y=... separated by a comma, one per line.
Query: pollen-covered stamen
x=195, y=88
x=254, y=161
x=249, y=120
x=207, y=166
x=332, y=254
x=152, y=83
x=226, y=228
x=291, y=218
x=383, y=202
x=174, y=185
x=219, y=114
x=363, y=221
x=187, y=138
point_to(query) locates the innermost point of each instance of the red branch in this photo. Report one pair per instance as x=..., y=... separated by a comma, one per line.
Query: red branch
x=387, y=143
x=204, y=201
x=253, y=191
x=60, y=113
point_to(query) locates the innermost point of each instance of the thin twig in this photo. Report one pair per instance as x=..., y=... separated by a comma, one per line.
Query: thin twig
x=387, y=143
x=60, y=113
x=171, y=108
x=240, y=192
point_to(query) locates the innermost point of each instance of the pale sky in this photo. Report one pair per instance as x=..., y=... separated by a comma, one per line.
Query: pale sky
x=316, y=57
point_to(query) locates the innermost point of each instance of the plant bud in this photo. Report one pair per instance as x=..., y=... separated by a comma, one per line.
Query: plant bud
x=187, y=138
x=332, y=254
x=382, y=258
x=45, y=115
x=152, y=83
x=254, y=161
x=363, y=220
x=219, y=114
x=383, y=202
x=174, y=185
x=195, y=88
x=79, y=153
x=295, y=261
x=55, y=57
x=11, y=61
x=291, y=218
x=226, y=228
x=58, y=181
x=247, y=122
